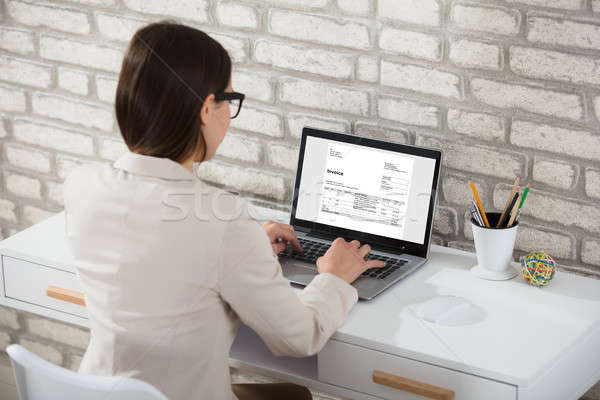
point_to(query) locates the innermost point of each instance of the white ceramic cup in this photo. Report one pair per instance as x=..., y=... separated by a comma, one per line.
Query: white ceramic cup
x=494, y=248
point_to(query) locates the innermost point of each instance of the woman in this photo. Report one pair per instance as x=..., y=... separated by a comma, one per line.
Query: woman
x=170, y=265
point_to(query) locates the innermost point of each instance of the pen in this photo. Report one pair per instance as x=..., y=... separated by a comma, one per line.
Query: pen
x=513, y=204
x=506, y=206
x=513, y=215
x=478, y=200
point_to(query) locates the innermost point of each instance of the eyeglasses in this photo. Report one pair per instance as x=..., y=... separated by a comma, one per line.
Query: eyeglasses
x=235, y=101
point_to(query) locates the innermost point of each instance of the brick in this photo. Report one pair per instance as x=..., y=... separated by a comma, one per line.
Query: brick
x=117, y=27
x=564, y=32
x=49, y=15
x=72, y=80
x=299, y=3
x=555, y=139
x=456, y=189
x=111, y=149
x=104, y=3
x=408, y=112
x=545, y=64
x=475, y=17
x=379, y=131
x=255, y=85
x=549, y=207
x=597, y=107
x=324, y=96
x=592, y=182
x=17, y=41
x=55, y=192
x=358, y=7
x=590, y=251
x=23, y=186
x=244, y=179
x=563, y=4
x=445, y=221
x=367, y=69
x=53, y=137
x=411, y=44
x=45, y=351
x=528, y=98
x=596, y=8
x=7, y=213
x=473, y=54
x=305, y=59
x=106, y=88
x=260, y=121
x=12, y=99
x=237, y=15
x=59, y=332
x=87, y=54
x=194, y=10
x=240, y=147
x=325, y=30
x=5, y=341
x=88, y=114
x=28, y=158
x=478, y=125
x=3, y=131
x=419, y=12
x=419, y=79
x=478, y=159
x=530, y=238
x=25, y=72
x=555, y=173
x=296, y=122
x=9, y=318
x=35, y=215
x=282, y=156
x=236, y=47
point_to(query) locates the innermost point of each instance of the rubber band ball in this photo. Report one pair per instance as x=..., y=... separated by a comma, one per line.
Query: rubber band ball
x=538, y=268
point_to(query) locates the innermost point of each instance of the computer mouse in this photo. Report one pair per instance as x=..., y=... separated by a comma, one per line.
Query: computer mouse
x=449, y=310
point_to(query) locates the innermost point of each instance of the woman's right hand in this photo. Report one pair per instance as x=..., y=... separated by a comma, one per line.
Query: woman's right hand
x=346, y=260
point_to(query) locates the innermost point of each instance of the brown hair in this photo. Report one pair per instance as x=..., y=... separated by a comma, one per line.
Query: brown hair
x=168, y=71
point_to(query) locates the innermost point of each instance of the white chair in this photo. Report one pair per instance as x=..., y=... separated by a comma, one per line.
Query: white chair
x=37, y=379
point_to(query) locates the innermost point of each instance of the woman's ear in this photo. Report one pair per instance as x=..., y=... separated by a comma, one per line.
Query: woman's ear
x=206, y=109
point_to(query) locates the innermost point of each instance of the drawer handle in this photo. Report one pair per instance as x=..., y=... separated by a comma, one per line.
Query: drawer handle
x=65, y=295
x=416, y=387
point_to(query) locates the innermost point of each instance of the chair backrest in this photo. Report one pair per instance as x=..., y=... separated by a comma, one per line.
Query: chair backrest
x=38, y=379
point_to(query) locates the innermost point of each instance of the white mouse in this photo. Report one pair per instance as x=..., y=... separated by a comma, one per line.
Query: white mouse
x=448, y=310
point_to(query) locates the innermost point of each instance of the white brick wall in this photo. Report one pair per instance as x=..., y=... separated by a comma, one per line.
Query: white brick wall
x=505, y=87
x=564, y=32
x=411, y=44
x=536, y=100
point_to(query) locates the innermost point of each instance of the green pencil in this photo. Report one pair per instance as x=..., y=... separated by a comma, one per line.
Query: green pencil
x=524, y=196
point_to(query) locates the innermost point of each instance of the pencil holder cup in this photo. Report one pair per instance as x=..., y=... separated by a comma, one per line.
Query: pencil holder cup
x=494, y=248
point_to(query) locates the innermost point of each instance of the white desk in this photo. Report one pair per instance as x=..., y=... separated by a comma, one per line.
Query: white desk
x=529, y=344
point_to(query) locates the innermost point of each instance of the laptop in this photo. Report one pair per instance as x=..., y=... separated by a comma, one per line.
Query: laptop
x=379, y=193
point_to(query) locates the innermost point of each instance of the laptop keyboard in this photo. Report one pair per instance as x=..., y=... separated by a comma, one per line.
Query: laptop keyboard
x=312, y=250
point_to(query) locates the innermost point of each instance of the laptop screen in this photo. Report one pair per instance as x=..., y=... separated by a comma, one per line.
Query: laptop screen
x=367, y=186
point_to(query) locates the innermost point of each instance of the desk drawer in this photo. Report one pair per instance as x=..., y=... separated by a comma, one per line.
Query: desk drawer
x=26, y=281
x=353, y=366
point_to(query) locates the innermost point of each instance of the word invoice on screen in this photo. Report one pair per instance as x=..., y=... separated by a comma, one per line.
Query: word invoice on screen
x=365, y=190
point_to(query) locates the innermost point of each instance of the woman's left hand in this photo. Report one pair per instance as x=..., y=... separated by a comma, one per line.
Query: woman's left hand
x=279, y=234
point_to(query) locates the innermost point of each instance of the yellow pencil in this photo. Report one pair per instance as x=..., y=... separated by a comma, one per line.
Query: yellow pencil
x=478, y=201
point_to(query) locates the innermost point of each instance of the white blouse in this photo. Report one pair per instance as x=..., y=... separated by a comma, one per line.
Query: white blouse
x=169, y=266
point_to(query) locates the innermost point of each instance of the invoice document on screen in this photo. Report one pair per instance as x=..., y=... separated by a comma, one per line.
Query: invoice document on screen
x=368, y=190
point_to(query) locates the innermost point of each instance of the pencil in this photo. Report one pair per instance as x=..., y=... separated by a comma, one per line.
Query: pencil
x=479, y=205
x=507, y=205
x=524, y=195
x=513, y=215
